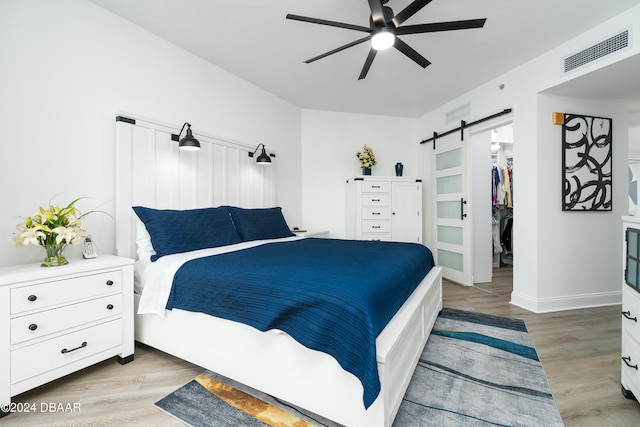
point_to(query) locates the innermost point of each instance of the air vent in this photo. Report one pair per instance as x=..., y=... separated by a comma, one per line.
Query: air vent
x=458, y=113
x=597, y=51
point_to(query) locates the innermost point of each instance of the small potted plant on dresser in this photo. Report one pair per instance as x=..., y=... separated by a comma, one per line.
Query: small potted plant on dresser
x=367, y=159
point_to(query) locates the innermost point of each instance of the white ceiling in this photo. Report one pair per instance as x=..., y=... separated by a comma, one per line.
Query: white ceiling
x=617, y=82
x=253, y=40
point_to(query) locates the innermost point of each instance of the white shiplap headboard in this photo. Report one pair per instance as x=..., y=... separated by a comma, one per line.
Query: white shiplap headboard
x=152, y=172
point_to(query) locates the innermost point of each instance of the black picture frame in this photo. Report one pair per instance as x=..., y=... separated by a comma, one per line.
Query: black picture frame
x=586, y=163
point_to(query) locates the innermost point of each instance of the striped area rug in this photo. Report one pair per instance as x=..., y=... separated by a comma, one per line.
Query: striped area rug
x=476, y=370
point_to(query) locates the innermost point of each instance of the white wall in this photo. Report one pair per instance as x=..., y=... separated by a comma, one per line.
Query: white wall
x=560, y=260
x=580, y=251
x=68, y=68
x=330, y=141
x=634, y=142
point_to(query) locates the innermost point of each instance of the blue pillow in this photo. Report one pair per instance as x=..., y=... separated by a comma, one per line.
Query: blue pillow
x=258, y=224
x=176, y=231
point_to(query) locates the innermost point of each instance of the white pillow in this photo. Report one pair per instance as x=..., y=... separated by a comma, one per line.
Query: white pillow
x=144, y=248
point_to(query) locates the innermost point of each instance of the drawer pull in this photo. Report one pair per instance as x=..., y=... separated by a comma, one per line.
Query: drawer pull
x=627, y=361
x=375, y=200
x=375, y=213
x=375, y=226
x=109, y=282
x=375, y=186
x=627, y=314
x=33, y=327
x=110, y=307
x=83, y=345
x=32, y=298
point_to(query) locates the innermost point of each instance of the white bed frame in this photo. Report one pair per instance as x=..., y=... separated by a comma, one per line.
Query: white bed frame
x=272, y=362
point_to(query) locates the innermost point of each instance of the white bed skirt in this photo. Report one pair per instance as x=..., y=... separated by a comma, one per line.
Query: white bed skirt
x=276, y=364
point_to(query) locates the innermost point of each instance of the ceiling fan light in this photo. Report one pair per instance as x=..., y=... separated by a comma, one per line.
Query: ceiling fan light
x=383, y=39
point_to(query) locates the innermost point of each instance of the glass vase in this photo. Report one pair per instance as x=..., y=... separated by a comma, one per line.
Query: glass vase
x=55, y=255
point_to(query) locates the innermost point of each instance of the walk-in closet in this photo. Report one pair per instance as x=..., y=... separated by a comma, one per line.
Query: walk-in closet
x=493, y=198
x=502, y=196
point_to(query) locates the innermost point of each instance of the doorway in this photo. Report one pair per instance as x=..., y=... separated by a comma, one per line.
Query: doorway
x=492, y=201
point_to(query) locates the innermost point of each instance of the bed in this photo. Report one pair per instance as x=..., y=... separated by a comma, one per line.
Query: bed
x=271, y=360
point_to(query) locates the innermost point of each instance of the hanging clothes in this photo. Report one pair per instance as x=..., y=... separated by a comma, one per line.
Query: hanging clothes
x=502, y=187
x=502, y=217
x=507, y=186
x=495, y=231
x=507, y=225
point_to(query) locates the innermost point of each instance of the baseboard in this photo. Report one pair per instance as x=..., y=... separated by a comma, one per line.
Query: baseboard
x=570, y=302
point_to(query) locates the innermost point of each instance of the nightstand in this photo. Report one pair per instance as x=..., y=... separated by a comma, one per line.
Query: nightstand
x=57, y=320
x=311, y=233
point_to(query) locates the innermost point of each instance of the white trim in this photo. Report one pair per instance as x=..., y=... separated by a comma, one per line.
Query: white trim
x=572, y=302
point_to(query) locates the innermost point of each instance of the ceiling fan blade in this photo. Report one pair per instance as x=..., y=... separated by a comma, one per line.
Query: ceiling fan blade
x=411, y=53
x=377, y=13
x=367, y=63
x=409, y=11
x=336, y=50
x=441, y=26
x=329, y=23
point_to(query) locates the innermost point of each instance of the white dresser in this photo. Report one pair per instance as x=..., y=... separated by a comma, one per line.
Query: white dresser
x=384, y=208
x=630, y=362
x=57, y=320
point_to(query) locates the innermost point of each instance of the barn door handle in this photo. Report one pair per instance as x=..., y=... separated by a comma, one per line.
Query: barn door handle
x=462, y=203
x=627, y=361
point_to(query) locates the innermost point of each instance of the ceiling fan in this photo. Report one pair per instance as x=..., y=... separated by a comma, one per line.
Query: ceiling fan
x=385, y=26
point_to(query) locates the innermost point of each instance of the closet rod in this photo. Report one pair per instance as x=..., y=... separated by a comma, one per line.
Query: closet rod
x=464, y=125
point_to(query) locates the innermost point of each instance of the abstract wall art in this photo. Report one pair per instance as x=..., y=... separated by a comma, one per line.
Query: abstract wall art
x=586, y=163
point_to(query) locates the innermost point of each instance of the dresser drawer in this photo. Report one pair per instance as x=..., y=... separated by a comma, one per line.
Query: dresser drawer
x=375, y=226
x=630, y=366
x=631, y=312
x=375, y=187
x=378, y=237
x=375, y=200
x=47, y=355
x=51, y=321
x=52, y=293
x=380, y=212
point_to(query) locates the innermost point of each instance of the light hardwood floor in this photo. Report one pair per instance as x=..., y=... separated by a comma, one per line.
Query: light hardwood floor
x=579, y=349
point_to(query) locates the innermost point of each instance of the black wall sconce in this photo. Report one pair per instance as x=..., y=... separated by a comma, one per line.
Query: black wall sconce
x=263, y=158
x=188, y=143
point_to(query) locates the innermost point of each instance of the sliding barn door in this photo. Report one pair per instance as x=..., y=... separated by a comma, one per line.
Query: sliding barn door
x=453, y=248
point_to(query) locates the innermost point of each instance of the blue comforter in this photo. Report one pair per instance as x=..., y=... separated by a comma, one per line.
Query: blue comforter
x=330, y=295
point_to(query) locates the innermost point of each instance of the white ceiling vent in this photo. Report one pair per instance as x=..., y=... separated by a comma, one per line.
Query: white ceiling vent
x=458, y=113
x=597, y=51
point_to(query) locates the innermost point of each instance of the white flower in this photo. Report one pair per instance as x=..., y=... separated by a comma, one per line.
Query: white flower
x=52, y=226
x=29, y=236
x=64, y=234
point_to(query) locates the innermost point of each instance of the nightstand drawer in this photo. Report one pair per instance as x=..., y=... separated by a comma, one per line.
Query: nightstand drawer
x=51, y=321
x=631, y=312
x=375, y=200
x=49, y=294
x=47, y=355
x=380, y=212
x=375, y=187
x=630, y=364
